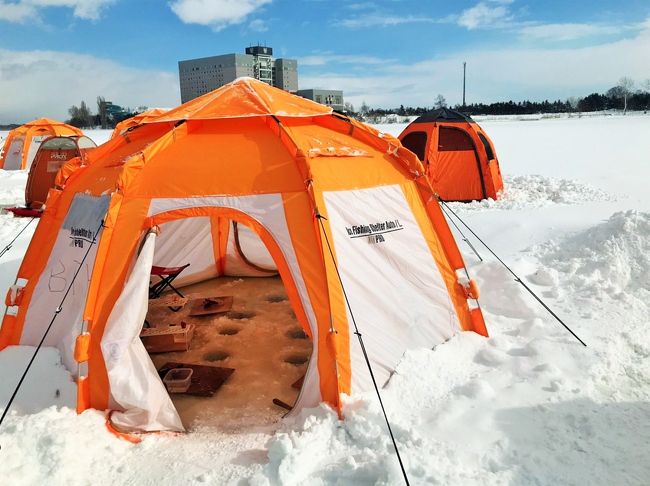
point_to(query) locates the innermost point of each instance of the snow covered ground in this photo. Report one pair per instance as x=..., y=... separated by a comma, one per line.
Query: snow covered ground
x=529, y=405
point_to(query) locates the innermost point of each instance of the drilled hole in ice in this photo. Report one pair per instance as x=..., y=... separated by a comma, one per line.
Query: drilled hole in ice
x=275, y=298
x=229, y=331
x=239, y=315
x=296, y=334
x=296, y=359
x=215, y=356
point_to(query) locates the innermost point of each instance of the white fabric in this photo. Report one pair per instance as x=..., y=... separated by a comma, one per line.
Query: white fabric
x=185, y=241
x=396, y=292
x=253, y=249
x=268, y=210
x=14, y=154
x=34, y=144
x=189, y=240
x=76, y=233
x=136, y=389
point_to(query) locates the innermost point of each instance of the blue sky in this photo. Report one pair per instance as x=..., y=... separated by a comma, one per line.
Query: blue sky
x=56, y=52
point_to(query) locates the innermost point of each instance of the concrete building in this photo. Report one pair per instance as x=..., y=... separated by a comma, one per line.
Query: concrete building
x=330, y=97
x=200, y=76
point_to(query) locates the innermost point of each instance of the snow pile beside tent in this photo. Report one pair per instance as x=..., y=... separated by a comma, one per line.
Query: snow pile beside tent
x=611, y=259
x=534, y=191
x=12, y=187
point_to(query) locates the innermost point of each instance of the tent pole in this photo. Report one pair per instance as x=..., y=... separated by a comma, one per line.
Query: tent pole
x=57, y=311
x=363, y=349
x=517, y=279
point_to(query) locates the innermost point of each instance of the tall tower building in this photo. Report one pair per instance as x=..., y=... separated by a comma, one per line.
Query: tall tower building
x=200, y=76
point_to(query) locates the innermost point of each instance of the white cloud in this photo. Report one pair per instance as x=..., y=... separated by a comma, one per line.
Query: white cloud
x=380, y=20
x=328, y=58
x=485, y=14
x=515, y=73
x=258, y=25
x=217, y=14
x=28, y=10
x=568, y=31
x=47, y=83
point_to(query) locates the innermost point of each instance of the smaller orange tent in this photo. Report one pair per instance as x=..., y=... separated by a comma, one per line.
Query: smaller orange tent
x=459, y=157
x=53, y=153
x=144, y=117
x=22, y=143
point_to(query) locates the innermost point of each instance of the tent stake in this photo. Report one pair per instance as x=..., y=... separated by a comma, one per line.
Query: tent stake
x=517, y=279
x=8, y=247
x=363, y=349
x=57, y=311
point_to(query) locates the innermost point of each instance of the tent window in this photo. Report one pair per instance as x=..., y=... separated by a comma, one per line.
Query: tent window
x=487, y=146
x=59, y=143
x=416, y=142
x=85, y=143
x=454, y=139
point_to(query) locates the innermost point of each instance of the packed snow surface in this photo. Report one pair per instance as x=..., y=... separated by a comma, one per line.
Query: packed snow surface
x=529, y=405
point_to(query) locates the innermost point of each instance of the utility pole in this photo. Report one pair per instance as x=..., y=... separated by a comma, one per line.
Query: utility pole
x=464, y=70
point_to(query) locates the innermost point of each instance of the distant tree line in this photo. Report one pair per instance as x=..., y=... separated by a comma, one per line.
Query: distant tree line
x=108, y=115
x=623, y=97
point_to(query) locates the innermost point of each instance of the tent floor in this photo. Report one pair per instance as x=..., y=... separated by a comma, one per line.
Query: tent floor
x=260, y=338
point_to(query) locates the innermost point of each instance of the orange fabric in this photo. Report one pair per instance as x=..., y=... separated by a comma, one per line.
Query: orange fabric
x=82, y=345
x=132, y=438
x=244, y=139
x=244, y=97
x=34, y=128
x=459, y=175
x=140, y=118
x=478, y=322
x=83, y=398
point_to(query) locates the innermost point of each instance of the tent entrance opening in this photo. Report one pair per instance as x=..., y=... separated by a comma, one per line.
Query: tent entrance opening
x=257, y=336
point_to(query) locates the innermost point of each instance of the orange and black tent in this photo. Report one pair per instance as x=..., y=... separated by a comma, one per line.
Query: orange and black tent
x=458, y=155
x=346, y=213
x=23, y=142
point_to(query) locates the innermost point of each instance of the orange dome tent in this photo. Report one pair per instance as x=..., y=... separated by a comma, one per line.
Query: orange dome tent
x=459, y=157
x=340, y=207
x=22, y=143
x=144, y=117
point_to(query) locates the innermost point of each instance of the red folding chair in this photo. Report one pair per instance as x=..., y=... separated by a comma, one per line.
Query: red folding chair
x=166, y=275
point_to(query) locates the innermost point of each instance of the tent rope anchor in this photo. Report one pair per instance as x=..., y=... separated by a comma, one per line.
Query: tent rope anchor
x=363, y=348
x=8, y=247
x=517, y=278
x=57, y=311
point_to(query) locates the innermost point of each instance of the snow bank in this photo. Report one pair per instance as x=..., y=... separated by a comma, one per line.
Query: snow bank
x=610, y=259
x=534, y=191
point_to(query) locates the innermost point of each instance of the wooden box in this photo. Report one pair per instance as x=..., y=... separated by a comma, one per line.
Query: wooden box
x=165, y=339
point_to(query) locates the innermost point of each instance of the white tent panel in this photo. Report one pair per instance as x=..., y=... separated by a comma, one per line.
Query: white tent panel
x=397, y=294
x=138, y=395
x=14, y=154
x=185, y=241
x=71, y=245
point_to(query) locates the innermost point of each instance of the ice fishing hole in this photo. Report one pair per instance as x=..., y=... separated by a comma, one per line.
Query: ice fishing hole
x=275, y=298
x=296, y=359
x=239, y=315
x=296, y=334
x=229, y=331
x=216, y=356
